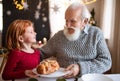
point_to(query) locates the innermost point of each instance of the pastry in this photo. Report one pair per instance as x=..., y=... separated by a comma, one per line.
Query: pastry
x=47, y=66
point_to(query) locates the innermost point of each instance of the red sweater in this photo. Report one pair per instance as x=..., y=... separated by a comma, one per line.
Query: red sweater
x=18, y=62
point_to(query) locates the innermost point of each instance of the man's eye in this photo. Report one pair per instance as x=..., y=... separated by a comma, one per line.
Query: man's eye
x=66, y=20
x=73, y=21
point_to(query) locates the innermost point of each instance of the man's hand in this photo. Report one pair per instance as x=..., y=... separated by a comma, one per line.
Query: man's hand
x=74, y=70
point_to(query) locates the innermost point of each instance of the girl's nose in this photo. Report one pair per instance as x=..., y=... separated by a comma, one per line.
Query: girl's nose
x=35, y=33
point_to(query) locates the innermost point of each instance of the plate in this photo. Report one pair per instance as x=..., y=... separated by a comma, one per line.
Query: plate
x=59, y=73
x=94, y=77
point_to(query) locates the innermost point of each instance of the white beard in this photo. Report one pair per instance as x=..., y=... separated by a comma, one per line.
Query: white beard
x=74, y=36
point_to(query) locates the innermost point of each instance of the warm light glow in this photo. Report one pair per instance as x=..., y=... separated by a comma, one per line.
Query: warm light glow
x=88, y=1
x=19, y=6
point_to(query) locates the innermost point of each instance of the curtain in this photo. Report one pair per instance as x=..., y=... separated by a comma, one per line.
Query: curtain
x=114, y=41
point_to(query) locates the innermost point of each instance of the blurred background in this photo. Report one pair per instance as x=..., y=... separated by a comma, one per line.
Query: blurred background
x=48, y=18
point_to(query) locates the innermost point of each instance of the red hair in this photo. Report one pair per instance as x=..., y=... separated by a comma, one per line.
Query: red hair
x=16, y=29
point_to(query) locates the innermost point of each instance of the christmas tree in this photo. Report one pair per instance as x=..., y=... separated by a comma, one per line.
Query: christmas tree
x=92, y=20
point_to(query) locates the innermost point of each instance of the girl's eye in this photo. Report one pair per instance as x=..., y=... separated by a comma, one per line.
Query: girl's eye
x=31, y=31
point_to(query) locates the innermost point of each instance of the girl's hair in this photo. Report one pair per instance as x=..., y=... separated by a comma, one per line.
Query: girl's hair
x=16, y=29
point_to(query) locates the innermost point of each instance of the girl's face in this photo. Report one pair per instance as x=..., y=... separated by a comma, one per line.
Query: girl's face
x=29, y=36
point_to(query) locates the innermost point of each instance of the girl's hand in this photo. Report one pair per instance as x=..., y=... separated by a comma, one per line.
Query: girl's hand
x=29, y=73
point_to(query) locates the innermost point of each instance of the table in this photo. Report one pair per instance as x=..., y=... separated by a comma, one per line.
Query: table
x=44, y=79
x=114, y=77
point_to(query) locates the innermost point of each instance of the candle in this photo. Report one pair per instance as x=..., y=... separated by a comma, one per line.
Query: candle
x=44, y=40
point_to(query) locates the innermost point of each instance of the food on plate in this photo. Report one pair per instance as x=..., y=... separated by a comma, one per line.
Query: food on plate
x=47, y=66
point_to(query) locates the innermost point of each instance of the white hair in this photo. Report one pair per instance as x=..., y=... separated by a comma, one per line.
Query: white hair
x=85, y=12
x=74, y=36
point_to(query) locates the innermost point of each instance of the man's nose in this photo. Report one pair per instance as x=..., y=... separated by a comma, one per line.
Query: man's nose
x=68, y=24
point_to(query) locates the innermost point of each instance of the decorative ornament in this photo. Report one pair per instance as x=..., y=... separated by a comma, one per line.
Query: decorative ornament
x=92, y=19
x=44, y=19
x=55, y=8
x=39, y=5
x=25, y=5
x=8, y=12
x=19, y=4
x=89, y=1
x=37, y=15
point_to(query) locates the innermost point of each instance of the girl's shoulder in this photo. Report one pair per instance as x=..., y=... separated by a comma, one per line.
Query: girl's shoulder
x=37, y=51
x=15, y=52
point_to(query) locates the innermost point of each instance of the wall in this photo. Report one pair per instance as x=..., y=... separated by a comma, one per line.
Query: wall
x=57, y=12
x=97, y=7
x=33, y=10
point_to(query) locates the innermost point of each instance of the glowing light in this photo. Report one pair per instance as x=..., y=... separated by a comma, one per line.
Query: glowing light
x=89, y=1
x=19, y=5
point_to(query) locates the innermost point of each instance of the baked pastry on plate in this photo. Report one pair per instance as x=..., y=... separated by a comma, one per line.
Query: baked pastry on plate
x=48, y=66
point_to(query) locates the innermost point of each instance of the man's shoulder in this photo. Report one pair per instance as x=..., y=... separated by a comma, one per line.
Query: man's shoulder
x=94, y=29
x=59, y=33
x=57, y=36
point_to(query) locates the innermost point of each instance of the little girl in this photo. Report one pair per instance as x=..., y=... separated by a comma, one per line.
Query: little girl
x=22, y=58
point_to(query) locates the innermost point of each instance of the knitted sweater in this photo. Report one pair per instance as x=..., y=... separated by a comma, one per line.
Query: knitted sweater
x=90, y=50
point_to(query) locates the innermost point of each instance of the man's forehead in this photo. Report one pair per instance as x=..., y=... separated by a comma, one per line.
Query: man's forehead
x=74, y=14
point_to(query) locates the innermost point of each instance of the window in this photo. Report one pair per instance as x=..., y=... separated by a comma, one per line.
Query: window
x=1, y=20
x=107, y=20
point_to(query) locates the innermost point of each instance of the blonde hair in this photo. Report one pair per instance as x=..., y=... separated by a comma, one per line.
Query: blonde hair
x=15, y=29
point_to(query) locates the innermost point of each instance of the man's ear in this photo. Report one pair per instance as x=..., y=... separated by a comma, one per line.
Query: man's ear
x=20, y=38
x=85, y=20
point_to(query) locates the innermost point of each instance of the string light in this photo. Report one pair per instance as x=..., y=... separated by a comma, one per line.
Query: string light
x=18, y=5
x=88, y=1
